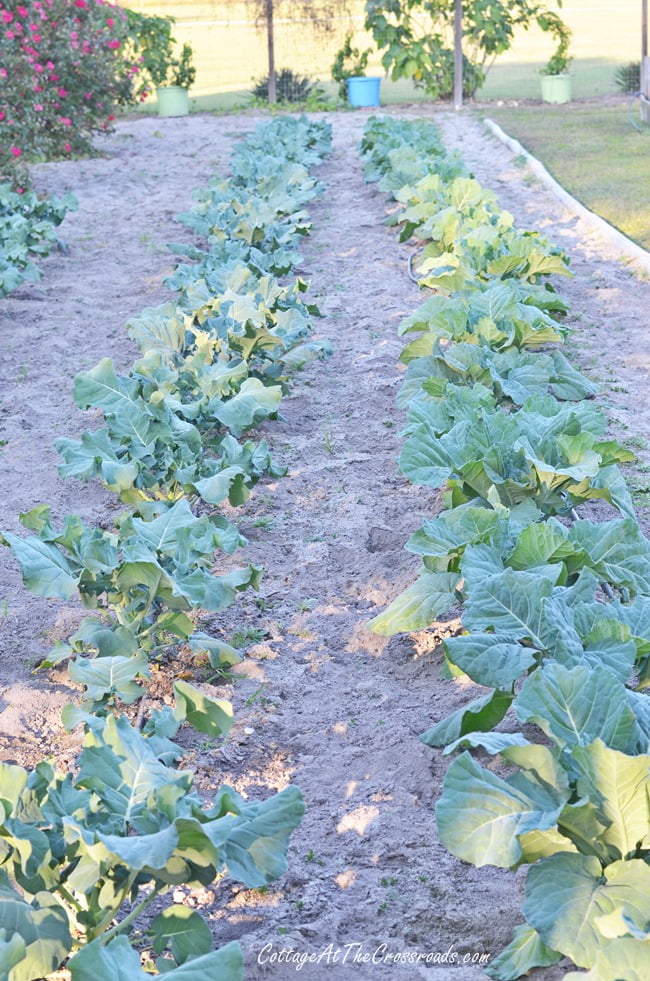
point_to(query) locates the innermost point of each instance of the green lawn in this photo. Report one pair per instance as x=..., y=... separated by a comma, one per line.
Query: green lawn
x=595, y=152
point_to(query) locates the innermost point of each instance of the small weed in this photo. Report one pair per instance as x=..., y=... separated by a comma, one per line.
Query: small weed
x=637, y=441
x=254, y=697
x=388, y=423
x=327, y=440
x=22, y=372
x=520, y=160
x=385, y=881
x=307, y=604
x=265, y=522
x=619, y=388
x=262, y=604
x=312, y=857
x=244, y=638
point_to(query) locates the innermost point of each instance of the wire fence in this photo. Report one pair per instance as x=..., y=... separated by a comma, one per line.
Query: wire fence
x=230, y=47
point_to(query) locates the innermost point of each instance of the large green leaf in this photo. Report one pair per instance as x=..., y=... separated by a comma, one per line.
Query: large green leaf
x=110, y=676
x=118, y=762
x=480, y=816
x=539, y=544
x=512, y=603
x=577, y=705
x=482, y=714
x=214, y=716
x=490, y=659
x=622, y=958
x=101, y=387
x=616, y=550
x=12, y=783
x=182, y=930
x=43, y=927
x=253, y=402
x=621, y=786
x=419, y=605
x=151, y=851
x=525, y=951
x=12, y=952
x=567, y=894
x=46, y=571
x=256, y=846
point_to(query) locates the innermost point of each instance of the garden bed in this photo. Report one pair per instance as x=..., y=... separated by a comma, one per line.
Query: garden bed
x=319, y=701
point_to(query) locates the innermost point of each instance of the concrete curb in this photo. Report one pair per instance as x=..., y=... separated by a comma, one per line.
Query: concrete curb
x=628, y=251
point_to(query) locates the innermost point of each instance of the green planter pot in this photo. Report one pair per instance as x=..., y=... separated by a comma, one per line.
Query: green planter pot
x=556, y=88
x=173, y=101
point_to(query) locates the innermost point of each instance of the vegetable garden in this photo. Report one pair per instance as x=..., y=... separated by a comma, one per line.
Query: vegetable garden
x=233, y=428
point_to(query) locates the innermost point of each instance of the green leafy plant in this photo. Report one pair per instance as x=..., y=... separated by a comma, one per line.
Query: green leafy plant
x=348, y=63
x=84, y=853
x=153, y=44
x=417, y=38
x=27, y=232
x=627, y=78
x=290, y=87
x=555, y=608
x=560, y=60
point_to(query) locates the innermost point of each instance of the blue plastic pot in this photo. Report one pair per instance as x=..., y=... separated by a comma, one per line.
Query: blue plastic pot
x=363, y=91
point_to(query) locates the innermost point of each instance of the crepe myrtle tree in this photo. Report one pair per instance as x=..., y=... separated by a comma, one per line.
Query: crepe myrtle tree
x=417, y=38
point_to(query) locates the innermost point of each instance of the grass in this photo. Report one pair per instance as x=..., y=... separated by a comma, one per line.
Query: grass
x=595, y=152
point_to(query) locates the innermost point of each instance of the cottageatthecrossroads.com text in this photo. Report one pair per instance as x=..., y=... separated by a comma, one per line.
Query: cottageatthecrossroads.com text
x=360, y=953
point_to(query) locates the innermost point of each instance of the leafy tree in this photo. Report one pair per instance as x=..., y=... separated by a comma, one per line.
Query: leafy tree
x=417, y=36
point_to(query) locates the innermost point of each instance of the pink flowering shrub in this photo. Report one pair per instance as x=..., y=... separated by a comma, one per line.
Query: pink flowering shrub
x=64, y=67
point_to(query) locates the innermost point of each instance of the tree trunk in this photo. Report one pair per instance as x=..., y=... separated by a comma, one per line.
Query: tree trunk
x=270, y=41
x=458, y=54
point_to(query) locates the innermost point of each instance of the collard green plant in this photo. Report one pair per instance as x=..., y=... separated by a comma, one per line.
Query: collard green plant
x=27, y=232
x=555, y=608
x=105, y=840
x=84, y=853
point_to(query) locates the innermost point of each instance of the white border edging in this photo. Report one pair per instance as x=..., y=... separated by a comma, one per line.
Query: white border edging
x=638, y=258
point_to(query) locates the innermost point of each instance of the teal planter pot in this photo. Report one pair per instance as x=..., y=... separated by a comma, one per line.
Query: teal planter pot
x=173, y=101
x=363, y=91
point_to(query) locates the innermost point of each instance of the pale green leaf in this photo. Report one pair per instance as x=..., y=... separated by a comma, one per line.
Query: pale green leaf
x=525, y=951
x=419, y=605
x=480, y=815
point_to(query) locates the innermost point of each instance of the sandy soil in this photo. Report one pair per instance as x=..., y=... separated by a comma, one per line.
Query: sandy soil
x=319, y=700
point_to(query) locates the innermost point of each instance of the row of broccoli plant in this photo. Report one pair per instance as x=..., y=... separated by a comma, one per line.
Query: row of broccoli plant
x=555, y=608
x=83, y=853
x=27, y=233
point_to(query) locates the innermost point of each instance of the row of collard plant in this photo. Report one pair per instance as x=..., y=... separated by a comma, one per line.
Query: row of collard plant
x=555, y=608
x=27, y=233
x=82, y=854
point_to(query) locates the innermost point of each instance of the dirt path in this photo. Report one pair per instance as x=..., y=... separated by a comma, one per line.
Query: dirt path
x=321, y=702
